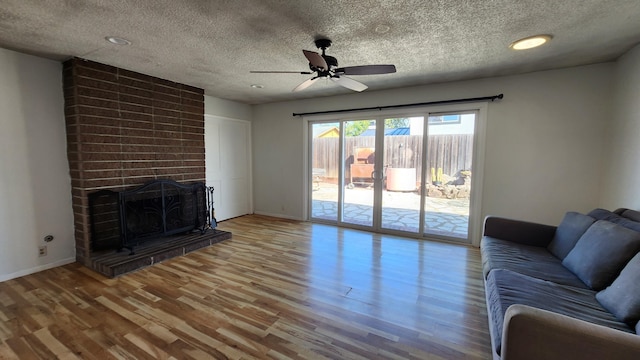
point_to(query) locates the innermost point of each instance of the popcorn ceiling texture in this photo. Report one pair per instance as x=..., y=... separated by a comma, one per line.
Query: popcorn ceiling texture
x=214, y=44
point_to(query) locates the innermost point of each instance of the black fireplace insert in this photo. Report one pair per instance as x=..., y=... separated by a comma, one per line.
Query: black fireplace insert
x=125, y=219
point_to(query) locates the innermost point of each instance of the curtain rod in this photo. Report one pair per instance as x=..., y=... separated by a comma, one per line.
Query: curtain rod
x=453, y=101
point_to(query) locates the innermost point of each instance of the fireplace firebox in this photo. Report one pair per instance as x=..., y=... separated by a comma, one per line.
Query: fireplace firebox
x=126, y=219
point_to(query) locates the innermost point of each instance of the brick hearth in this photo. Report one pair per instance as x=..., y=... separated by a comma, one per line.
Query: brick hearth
x=112, y=264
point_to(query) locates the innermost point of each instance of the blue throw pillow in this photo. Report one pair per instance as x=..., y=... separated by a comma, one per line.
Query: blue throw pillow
x=622, y=298
x=569, y=231
x=600, y=254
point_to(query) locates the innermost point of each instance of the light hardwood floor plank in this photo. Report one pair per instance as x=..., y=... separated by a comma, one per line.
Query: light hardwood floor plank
x=279, y=289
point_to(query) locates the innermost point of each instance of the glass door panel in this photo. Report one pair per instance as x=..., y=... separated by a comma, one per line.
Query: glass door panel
x=448, y=186
x=358, y=169
x=402, y=165
x=325, y=165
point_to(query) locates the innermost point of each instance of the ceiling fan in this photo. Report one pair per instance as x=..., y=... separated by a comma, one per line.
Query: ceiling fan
x=326, y=67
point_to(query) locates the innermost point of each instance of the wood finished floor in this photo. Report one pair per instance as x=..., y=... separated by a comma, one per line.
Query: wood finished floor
x=278, y=289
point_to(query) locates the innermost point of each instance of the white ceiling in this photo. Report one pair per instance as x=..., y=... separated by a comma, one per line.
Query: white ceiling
x=214, y=44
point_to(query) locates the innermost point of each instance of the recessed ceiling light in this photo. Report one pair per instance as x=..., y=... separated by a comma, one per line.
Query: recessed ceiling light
x=257, y=86
x=530, y=42
x=117, y=40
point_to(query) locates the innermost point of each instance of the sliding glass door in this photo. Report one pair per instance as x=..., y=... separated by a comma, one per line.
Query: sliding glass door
x=448, y=164
x=359, y=169
x=342, y=174
x=400, y=207
x=325, y=170
x=395, y=174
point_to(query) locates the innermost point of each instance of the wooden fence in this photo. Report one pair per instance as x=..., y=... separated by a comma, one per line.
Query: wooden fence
x=452, y=153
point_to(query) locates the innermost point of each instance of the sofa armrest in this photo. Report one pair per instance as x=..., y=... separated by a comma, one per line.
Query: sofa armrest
x=523, y=232
x=533, y=334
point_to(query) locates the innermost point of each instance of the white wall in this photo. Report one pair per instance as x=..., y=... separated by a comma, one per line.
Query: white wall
x=621, y=175
x=35, y=186
x=227, y=109
x=544, y=141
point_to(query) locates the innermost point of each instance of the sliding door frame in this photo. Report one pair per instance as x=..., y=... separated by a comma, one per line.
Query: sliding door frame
x=478, y=161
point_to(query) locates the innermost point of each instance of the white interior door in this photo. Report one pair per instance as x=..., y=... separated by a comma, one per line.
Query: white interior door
x=228, y=165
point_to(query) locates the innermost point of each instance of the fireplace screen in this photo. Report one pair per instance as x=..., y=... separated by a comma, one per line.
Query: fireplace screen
x=159, y=208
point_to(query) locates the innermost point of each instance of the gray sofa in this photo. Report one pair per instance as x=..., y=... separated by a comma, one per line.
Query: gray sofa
x=565, y=292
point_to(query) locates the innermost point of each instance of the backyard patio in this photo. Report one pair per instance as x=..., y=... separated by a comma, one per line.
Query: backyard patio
x=448, y=217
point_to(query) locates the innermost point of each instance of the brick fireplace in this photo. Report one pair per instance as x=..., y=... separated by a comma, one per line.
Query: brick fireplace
x=125, y=129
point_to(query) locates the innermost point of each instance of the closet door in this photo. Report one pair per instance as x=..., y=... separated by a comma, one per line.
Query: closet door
x=228, y=165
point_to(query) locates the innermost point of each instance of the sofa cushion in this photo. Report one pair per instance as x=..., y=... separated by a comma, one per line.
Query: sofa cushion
x=569, y=231
x=631, y=214
x=529, y=260
x=622, y=298
x=628, y=223
x=602, y=252
x=602, y=214
x=625, y=217
x=505, y=288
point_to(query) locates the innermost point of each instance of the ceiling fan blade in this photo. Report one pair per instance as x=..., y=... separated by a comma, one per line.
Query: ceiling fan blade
x=280, y=72
x=349, y=83
x=366, y=70
x=316, y=60
x=306, y=84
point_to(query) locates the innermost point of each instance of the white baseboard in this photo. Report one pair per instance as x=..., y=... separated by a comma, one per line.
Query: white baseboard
x=36, y=269
x=282, y=216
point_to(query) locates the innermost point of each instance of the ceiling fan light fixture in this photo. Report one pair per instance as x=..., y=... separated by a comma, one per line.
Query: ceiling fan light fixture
x=325, y=67
x=530, y=42
x=117, y=40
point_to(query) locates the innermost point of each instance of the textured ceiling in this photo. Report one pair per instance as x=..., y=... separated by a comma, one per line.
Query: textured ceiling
x=214, y=44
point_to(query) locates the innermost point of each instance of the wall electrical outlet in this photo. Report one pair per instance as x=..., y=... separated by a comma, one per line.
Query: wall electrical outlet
x=42, y=251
